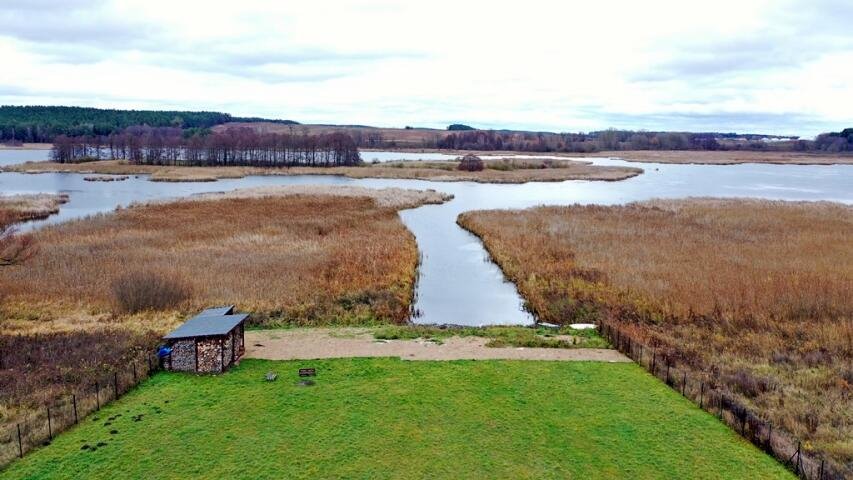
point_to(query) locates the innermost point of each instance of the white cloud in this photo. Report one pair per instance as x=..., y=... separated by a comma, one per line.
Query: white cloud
x=778, y=67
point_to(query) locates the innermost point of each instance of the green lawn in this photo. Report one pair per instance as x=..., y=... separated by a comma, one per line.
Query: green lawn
x=387, y=418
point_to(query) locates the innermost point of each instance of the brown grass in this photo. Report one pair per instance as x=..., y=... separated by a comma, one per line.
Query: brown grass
x=755, y=295
x=513, y=172
x=37, y=369
x=297, y=258
x=20, y=208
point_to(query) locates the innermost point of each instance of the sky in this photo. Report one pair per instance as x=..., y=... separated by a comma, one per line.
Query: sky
x=778, y=67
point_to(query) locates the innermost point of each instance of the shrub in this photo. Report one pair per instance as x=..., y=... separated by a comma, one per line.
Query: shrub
x=141, y=291
x=471, y=163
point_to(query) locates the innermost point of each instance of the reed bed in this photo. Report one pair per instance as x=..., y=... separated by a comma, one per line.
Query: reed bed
x=292, y=259
x=754, y=296
x=500, y=171
x=21, y=208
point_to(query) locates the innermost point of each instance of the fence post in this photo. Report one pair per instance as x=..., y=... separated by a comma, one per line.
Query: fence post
x=20, y=443
x=134, y=373
x=115, y=384
x=667, y=372
x=722, y=397
x=769, y=435
x=49, y=426
x=97, y=397
x=702, y=395
x=797, y=469
x=640, y=361
x=74, y=402
x=683, y=383
x=654, y=361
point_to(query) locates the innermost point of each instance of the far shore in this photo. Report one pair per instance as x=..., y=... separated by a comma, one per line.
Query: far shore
x=27, y=146
x=699, y=157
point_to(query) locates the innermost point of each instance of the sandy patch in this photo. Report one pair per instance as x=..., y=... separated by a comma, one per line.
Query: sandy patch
x=315, y=343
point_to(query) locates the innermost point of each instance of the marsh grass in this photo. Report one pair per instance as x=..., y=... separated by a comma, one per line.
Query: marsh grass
x=513, y=171
x=20, y=208
x=754, y=296
x=298, y=258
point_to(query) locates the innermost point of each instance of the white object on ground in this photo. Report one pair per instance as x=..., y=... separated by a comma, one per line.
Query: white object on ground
x=582, y=326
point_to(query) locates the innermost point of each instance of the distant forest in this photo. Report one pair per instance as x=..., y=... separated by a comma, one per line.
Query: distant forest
x=34, y=124
x=231, y=147
x=44, y=124
x=609, y=140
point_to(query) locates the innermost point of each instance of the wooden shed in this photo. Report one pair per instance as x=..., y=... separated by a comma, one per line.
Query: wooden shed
x=210, y=342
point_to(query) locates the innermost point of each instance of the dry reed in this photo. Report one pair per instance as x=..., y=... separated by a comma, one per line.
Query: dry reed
x=755, y=295
x=517, y=172
x=297, y=258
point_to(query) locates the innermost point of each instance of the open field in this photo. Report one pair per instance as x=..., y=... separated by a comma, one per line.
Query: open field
x=754, y=296
x=20, y=208
x=404, y=138
x=429, y=343
x=384, y=418
x=288, y=255
x=435, y=171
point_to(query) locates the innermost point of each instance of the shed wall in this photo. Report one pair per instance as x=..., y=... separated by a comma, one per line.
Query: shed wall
x=228, y=348
x=210, y=355
x=183, y=355
x=238, y=340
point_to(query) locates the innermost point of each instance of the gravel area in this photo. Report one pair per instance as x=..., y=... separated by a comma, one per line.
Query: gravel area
x=306, y=344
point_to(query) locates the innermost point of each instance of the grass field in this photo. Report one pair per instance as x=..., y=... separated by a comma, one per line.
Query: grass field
x=387, y=418
x=753, y=296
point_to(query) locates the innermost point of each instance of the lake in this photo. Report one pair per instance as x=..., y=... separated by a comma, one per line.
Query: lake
x=458, y=284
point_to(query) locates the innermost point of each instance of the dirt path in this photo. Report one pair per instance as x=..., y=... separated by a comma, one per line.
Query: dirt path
x=351, y=342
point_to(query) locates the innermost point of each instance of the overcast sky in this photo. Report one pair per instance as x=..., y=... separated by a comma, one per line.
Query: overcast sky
x=780, y=66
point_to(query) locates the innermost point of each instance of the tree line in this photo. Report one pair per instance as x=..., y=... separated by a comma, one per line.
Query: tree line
x=609, y=140
x=615, y=140
x=244, y=146
x=835, y=141
x=36, y=124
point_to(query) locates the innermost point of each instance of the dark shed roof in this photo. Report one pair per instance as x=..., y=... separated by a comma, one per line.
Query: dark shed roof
x=207, y=323
x=224, y=310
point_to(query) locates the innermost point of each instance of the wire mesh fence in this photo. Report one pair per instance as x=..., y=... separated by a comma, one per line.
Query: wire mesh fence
x=41, y=426
x=775, y=441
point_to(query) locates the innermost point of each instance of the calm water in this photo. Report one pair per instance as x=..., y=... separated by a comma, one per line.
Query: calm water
x=369, y=157
x=458, y=284
x=11, y=157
